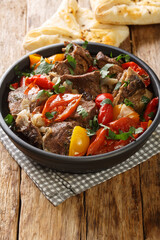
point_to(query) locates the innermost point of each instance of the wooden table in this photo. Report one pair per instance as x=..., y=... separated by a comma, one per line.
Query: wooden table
x=125, y=207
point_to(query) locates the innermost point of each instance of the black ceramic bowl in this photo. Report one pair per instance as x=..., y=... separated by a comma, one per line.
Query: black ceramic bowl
x=66, y=163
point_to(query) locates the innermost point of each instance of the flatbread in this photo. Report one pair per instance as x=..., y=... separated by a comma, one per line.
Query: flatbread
x=126, y=11
x=73, y=23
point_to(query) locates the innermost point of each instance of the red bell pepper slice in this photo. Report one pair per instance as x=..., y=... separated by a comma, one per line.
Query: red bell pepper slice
x=151, y=109
x=41, y=81
x=139, y=70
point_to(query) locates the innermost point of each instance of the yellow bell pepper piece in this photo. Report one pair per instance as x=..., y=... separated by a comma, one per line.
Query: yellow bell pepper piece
x=79, y=142
x=122, y=110
x=56, y=58
x=34, y=60
x=149, y=123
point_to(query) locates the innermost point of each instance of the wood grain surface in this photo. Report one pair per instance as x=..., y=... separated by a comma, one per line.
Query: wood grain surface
x=124, y=207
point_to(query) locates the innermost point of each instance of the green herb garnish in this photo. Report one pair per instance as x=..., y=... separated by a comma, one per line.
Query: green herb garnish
x=118, y=85
x=127, y=102
x=68, y=47
x=104, y=70
x=151, y=114
x=43, y=67
x=71, y=61
x=111, y=75
x=58, y=88
x=94, y=126
x=84, y=45
x=81, y=111
x=71, y=71
x=95, y=62
x=145, y=99
x=69, y=82
x=50, y=115
x=106, y=101
x=20, y=73
x=123, y=56
x=9, y=119
x=124, y=135
x=11, y=87
x=111, y=55
x=43, y=92
x=126, y=83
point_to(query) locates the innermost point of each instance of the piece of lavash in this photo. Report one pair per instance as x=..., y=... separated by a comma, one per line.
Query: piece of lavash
x=73, y=23
x=128, y=12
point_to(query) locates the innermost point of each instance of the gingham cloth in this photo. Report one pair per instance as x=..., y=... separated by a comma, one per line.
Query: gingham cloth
x=57, y=186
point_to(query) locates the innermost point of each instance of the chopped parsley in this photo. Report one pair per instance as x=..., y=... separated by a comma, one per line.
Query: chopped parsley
x=151, y=114
x=58, y=88
x=104, y=70
x=111, y=55
x=50, y=115
x=95, y=62
x=71, y=71
x=94, y=126
x=111, y=75
x=71, y=61
x=127, y=102
x=69, y=82
x=9, y=120
x=145, y=99
x=68, y=47
x=125, y=57
x=81, y=111
x=126, y=83
x=11, y=87
x=43, y=93
x=20, y=73
x=106, y=101
x=84, y=45
x=118, y=85
x=44, y=67
x=124, y=135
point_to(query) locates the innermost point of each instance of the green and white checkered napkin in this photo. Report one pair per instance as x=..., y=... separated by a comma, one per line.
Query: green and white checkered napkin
x=57, y=186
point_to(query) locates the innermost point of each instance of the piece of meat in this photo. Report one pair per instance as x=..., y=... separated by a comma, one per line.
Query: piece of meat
x=25, y=126
x=19, y=101
x=132, y=88
x=57, y=138
x=90, y=109
x=87, y=84
x=15, y=99
x=103, y=60
x=83, y=61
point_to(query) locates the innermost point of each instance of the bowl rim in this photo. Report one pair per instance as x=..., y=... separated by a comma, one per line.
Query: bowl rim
x=84, y=159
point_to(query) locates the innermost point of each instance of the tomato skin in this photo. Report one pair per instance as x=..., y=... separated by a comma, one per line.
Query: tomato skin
x=151, y=107
x=101, y=97
x=123, y=124
x=139, y=70
x=41, y=81
x=22, y=81
x=15, y=85
x=105, y=114
x=64, y=104
x=98, y=141
x=92, y=68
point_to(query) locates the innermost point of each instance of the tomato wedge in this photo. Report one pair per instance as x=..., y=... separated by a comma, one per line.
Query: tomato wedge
x=63, y=105
x=98, y=142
